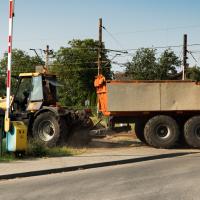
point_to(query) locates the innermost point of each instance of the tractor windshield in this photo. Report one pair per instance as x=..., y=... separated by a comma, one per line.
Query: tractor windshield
x=36, y=93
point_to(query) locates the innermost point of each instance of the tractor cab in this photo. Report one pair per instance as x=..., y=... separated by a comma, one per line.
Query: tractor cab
x=33, y=91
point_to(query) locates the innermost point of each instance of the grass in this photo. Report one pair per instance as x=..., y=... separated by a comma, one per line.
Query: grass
x=38, y=150
x=64, y=151
x=7, y=158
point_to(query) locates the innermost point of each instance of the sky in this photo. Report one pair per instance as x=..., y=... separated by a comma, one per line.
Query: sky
x=132, y=23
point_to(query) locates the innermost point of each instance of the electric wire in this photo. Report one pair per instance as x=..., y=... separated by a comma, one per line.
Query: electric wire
x=113, y=37
x=158, y=29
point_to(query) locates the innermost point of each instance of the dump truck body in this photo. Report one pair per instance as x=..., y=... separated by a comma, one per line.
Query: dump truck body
x=118, y=97
x=161, y=110
x=153, y=96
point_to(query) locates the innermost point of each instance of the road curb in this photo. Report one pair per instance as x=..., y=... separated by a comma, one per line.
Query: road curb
x=90, y=166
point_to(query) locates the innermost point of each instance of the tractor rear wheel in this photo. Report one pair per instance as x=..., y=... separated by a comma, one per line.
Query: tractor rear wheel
x=49, y=129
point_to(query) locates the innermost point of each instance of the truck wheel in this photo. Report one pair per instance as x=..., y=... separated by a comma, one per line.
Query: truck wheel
x=139, y=130
x=161, y=132
x=47, y=129
x=192, y=132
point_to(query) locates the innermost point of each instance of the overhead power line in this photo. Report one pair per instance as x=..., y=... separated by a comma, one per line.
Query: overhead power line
x=158, y=29
x=113, y=37
x=125, y=51
x=192, y=56
x=164, y=47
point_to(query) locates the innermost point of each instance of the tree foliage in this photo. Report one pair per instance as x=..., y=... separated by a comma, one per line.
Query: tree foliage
x=76, y=68
x=21, y=62
x=145, y=65
x=193, y=73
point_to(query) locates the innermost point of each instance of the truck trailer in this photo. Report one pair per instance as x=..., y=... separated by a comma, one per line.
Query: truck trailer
x=165, y=113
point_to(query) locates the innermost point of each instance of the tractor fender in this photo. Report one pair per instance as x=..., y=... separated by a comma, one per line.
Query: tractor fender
x=56, y=110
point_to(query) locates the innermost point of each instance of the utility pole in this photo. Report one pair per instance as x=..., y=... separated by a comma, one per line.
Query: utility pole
x=47, y=57
x=185, y=51
x=100, y=48
x=47, y=52
x=99, y=57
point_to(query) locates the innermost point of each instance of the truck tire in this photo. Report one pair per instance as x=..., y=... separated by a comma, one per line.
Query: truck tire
x=139, y=130
x=192, y=132
x=47, y=128
x=161, y=132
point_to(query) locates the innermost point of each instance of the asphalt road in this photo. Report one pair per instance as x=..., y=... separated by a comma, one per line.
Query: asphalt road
x=171, y=178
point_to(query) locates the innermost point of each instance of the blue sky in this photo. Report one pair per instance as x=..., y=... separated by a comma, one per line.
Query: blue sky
x=135, y=23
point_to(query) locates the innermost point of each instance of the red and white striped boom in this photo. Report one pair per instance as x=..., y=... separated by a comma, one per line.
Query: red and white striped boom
x=9, y=67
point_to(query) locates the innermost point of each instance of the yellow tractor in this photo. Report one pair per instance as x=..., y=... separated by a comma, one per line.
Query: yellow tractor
x=35, y=103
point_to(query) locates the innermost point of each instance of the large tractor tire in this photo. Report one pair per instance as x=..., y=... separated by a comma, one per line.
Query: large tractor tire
x=139, y=130
x=161, y=132
x=49, y=129
x=192, y=132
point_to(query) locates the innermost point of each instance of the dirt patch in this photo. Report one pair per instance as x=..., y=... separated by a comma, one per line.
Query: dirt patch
x=116, y=140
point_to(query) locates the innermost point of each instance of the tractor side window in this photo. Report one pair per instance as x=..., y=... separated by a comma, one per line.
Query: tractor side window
x=49, y=89
x=37, y=93
x=22, y=93
x=23, y=89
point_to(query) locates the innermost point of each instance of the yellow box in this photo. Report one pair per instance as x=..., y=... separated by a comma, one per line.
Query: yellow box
x=16, y=139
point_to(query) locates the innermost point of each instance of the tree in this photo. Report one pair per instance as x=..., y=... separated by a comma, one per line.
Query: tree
x=193, y=73
x=21, y=62
x=2, y=86
x=145, y=66
x=76, y=68
x=167, y=65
